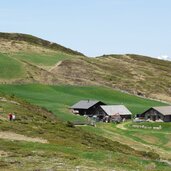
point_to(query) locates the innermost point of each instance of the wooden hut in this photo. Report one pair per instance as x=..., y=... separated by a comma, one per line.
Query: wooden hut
x=114, y=111
x=86, y=107
x=157, y=113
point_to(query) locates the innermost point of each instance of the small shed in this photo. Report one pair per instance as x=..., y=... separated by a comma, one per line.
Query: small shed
x=157, y=113
x=114, y=111
x=86, y=107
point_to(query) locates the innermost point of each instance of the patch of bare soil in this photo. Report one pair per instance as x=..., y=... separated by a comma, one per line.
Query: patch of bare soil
x=3, y=99
x=3, y=153
x=162, y=97
x=19, y=137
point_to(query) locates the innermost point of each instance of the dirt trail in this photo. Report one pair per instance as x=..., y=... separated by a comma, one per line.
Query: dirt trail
x=54, y=67
x=3, y=99
x=122, y=126
x=19, y=137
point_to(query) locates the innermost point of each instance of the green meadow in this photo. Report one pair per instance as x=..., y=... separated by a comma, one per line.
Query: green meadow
x=43, y=59
x=91, y=150
x=14, y=66
x=58, y=99
x=10, y=68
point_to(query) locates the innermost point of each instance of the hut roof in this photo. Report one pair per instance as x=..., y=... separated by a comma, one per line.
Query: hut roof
x=115, y=109
x=165, y=110
x=84, y=104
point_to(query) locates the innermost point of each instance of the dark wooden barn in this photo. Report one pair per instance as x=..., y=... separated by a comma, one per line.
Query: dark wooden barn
x=162, y=113
x=86, y=107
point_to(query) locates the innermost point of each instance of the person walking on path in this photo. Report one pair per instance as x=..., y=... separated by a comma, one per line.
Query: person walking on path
x=13, y=116
x=10, y=116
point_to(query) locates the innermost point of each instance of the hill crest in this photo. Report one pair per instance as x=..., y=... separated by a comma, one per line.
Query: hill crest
x=38, y=41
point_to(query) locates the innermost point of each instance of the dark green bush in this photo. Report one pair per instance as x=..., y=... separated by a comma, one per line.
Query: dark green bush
x=70, y=124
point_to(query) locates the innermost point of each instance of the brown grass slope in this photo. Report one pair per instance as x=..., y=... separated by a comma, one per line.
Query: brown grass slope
x=37, y=42
x=136, y=74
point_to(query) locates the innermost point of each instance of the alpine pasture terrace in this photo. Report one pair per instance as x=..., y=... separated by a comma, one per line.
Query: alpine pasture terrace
x=45, y=79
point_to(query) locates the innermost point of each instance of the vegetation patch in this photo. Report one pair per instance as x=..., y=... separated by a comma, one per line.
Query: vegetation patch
x=68, y=146
x=10, y=68
x=46, y=59
x=58, y=99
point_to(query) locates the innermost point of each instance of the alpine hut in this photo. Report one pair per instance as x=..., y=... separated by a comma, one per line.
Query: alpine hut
x=114, y=113
x=162, y=113
x=86, y=107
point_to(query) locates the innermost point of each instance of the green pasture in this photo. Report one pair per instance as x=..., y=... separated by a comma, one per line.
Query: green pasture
x=10, y=68
x=58, y=99
x=94, y=152
x=72, y=146
x=45, y=59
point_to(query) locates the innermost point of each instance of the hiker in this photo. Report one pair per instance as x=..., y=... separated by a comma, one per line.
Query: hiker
x=13, y=116
x=10, y=116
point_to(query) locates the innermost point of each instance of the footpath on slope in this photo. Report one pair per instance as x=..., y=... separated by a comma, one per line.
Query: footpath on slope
x=19, y=137
x=122, y=126
x=56, y=65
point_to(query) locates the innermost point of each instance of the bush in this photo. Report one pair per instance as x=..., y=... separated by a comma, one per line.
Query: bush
x=151, y=155
x=70, y=124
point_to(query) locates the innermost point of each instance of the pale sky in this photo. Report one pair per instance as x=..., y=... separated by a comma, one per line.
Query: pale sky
x=94, y=27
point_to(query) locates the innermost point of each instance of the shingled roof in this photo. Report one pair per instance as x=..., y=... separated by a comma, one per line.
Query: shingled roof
x=84, y=104
x=164, y=110
x=115, y=109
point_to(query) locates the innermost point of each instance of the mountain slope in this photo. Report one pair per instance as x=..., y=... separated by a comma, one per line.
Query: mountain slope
x=18, y=37
x=27, y=59
x=37, y=140
x=138, y=75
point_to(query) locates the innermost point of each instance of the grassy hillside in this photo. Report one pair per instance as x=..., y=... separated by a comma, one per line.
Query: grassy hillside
x=90, y=148
x=52, y=145
x=29, y=59
x=10, y=68
x=59, y=98
x=46, y=59
x=37, y=42
x=136, y=74
x=40, y=140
